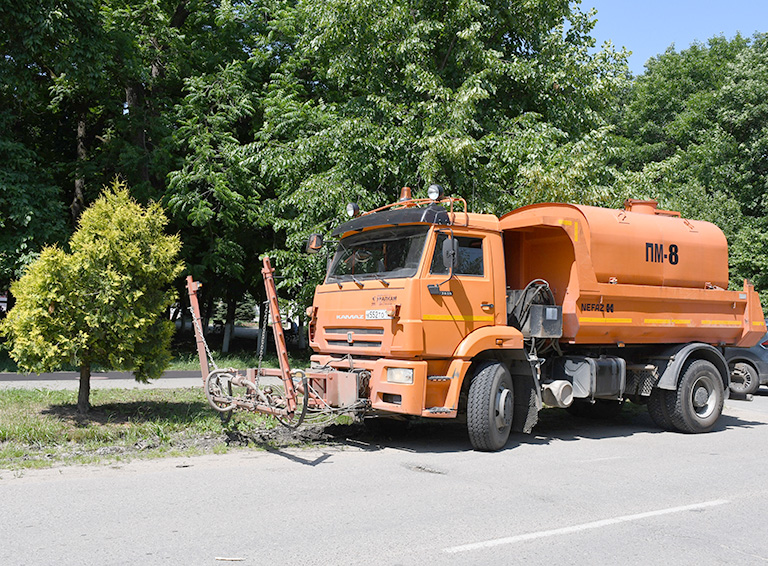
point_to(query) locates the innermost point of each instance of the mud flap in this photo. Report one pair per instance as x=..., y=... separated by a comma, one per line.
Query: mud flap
x=526, y=413
x=527, y=396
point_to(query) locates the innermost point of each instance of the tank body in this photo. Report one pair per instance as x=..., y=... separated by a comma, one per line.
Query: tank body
x=638, y=275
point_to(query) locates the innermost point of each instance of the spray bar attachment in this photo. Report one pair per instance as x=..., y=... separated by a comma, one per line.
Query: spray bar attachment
x=319, y=393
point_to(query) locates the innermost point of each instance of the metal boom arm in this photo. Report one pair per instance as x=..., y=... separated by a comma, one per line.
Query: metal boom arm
x=325, y=390
x=277, y=327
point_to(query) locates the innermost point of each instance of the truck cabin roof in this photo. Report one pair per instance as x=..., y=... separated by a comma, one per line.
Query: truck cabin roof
x=432, y=214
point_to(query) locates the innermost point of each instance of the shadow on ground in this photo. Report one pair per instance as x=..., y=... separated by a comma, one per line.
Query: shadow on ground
x=132, y=412
x=424, y=436
x=418, y=436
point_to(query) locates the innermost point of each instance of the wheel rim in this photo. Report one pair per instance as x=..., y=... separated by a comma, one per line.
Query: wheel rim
x=741, y=378
x=703, y=397
x=503, y=407
x=219, y=384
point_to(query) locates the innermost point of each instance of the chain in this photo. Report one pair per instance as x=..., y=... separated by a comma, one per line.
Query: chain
x=262, y=339
x=199, y=329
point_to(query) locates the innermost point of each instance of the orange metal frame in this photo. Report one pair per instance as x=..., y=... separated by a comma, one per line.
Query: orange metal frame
x=317, y=386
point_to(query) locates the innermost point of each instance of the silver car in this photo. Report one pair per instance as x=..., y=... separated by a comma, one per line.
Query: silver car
x=749, y=367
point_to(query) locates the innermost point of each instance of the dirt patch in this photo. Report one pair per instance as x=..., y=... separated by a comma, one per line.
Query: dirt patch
x=370, y=434
x=281, y=436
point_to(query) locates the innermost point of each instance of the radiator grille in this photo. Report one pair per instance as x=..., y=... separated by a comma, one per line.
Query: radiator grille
x=354, y=344
x=345, y=331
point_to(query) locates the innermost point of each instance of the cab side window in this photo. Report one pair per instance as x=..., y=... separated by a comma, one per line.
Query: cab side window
x=469, y=260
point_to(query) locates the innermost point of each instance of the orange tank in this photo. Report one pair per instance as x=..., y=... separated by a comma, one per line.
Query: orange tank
x=633, y=276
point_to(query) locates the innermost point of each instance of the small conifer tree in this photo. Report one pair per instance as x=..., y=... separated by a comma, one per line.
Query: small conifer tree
x=102, y=302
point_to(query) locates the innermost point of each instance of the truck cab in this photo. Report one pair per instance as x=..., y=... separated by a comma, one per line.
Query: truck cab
x=404, y=290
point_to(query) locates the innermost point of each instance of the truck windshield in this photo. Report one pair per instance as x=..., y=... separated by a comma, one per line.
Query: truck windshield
x=385, y=253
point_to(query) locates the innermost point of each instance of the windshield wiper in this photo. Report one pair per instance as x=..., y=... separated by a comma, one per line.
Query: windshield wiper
x=380, y=278
x=339, y=280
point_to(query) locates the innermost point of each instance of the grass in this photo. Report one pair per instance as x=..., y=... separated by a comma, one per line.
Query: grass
x=185, y=361
x=41, y=428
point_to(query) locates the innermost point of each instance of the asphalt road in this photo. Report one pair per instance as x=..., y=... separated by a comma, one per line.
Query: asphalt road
x=575, y=492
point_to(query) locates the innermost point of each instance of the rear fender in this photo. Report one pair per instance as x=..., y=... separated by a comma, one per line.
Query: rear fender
x=676, y=357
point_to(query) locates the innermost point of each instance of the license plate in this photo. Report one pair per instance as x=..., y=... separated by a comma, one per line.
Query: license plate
x=376, y=314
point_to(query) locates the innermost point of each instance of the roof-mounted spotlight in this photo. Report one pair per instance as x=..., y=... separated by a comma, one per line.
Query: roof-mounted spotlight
x=353, y=210
x=405, y=194
x=435, y=192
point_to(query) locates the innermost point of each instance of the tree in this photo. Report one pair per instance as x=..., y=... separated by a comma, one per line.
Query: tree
x=485, y=98
x=31, y=212
x=216, y=196
x=94, y=89
x=694, y=134
x=103, y=302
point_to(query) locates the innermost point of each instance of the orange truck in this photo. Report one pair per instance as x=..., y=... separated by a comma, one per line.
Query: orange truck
x=428, y=310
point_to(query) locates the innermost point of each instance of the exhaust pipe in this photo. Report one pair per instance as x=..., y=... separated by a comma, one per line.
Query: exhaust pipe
x=557, y=393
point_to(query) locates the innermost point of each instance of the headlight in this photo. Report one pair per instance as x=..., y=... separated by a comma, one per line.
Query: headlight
x=353, y=210
x=400, y=375
x=435, y=192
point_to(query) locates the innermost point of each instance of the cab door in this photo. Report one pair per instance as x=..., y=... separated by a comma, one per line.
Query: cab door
x=466, y=301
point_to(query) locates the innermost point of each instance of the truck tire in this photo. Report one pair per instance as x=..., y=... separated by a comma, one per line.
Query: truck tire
x=698, y=401
x=489, y=406
x=744, y=379
x=657, y=408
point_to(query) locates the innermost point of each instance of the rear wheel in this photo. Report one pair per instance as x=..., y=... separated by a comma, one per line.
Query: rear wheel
x=489, y=406
x=698, y=401
x=744, y=379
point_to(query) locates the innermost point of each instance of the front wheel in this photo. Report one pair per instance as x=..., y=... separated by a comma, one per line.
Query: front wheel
x=698, y=401
x=489, y=406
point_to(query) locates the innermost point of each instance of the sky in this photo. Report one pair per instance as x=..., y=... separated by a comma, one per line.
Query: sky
x=648, y=27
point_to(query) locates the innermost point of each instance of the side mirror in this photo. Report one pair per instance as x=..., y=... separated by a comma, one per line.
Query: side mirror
x=314, y=243
x=450, y=252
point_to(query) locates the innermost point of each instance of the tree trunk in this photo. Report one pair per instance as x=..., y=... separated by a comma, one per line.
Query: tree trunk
x=78, y=203
x=229, y=326
x=302, y=335
x=84, y=394
x=134, y=101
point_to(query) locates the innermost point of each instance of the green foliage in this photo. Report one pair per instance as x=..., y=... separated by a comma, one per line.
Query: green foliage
x=31, y=214
x=493, y=100
x=102, y=302
x=216, y=195
x=695, y=129
x=255, y=121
